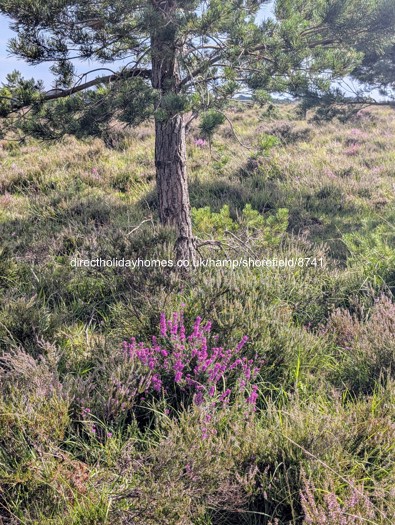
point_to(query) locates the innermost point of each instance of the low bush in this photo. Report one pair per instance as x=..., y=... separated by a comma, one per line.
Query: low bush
x=367, y=346
x=253, y=229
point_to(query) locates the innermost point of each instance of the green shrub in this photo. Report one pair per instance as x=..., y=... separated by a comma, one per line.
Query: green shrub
x=208, y=222
x=266, y=143
x=252, y=226
x=373, y=249
x=210, y=122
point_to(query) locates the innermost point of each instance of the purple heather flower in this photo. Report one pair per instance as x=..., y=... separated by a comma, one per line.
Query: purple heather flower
x=163, y=328
x=352, y=150
x=247, y=373
x=207, y=326
x=243, y=341
x=156, y=383
x=201, y=143
x=196, y=327
x=198, y=398
x=174, y=328
x=224, y=397
x=252, y=398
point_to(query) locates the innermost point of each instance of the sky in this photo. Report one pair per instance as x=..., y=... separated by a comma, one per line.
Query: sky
x=39, y=72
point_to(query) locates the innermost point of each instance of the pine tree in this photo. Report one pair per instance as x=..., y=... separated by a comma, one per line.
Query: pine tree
x=377, y=71
x=184, y=57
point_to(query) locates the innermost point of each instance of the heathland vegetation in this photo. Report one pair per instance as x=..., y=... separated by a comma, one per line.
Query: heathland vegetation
x=225, y=396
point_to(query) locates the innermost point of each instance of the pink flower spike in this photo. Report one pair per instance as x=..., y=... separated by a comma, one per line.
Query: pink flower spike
x=207, y=327
x=182, y=332
x=252, y=398
x=243, y=341
x=201, y=143
x=196, y=326
x=174, y=328
x=163, y=327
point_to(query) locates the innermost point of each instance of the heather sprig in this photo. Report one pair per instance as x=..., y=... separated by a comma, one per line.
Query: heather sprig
x=201, y=143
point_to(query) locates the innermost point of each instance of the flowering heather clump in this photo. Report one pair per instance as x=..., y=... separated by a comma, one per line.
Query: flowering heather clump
x=201, y=143
x=353, y=150
x=356, y=508
x=329, y=173
x=184, y=365
x=96, y=174
x=377, y=170
x=357, y=133
x=6, y=199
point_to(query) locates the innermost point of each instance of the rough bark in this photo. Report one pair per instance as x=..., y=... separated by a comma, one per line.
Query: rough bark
x=170, y=144
x=172, y=184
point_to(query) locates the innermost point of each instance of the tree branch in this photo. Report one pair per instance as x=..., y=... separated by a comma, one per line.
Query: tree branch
x=135, y=72
x=233, y=130
x=200, y=69
x=54, y=94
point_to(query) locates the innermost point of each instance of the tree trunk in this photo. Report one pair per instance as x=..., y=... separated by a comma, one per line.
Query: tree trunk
x=172, y=183
x=170, y=145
